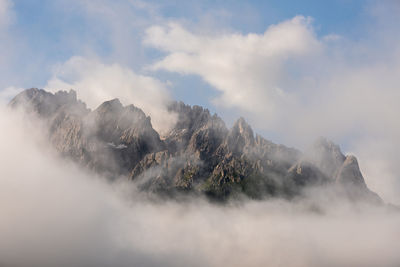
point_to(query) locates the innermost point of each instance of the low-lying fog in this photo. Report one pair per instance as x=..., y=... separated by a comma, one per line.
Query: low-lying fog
x=53, y=213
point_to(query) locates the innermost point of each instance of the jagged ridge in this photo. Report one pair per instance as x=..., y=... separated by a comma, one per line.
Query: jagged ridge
x=200, y=154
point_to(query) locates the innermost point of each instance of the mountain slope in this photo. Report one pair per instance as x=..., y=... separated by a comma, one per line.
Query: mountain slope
x=200, y=154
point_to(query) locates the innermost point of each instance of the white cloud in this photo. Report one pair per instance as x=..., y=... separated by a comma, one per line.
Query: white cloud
x=246, y=69
x=96, y=82
x=292, y=83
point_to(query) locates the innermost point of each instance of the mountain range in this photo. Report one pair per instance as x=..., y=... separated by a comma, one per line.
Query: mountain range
x=199, y=155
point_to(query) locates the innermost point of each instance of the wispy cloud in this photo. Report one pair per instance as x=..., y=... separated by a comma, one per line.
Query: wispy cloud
x=96, y=82
x=8, y=93
x=6, y=14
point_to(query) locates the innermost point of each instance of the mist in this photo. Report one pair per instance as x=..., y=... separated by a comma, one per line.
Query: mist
x=294, y=84
x=53, y=213
x=97, y=82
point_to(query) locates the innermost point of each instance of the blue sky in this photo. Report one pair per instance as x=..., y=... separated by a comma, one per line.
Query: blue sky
x=43, y=34
x=53, y=31
x=46, y=33
x=294, y=69
x=49, y=32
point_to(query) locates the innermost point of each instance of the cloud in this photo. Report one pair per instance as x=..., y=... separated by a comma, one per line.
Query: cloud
x=246, y=69
x=295, y=85
x=55, y=214
x=8, y=93
x=96, y=82
x=6, y=39
x=6, y=14
x=112, y=28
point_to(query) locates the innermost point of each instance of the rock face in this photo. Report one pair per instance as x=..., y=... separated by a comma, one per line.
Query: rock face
x=200, y=154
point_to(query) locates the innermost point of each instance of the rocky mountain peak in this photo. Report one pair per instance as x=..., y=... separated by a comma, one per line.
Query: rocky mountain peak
x=240, y=137
x=325, y=146
x=190, y=118
x=350, y=172
x=47, y=104
x=66, y=97
x=113, y=105
x=118, y=124
x=113, y=112
x=199, y=154
x=243, y=128
x=196, y=130
x=326, y=155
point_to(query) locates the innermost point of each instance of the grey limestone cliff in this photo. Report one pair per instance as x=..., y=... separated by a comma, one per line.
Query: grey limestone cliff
x=199, y=155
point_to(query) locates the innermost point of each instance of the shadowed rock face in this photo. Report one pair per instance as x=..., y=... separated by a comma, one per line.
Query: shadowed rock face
x=200, y=154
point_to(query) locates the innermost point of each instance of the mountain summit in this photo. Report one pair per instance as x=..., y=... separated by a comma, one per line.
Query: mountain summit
x=200, y=154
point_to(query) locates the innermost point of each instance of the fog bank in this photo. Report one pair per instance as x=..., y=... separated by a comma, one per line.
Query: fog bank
x=56, y=214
